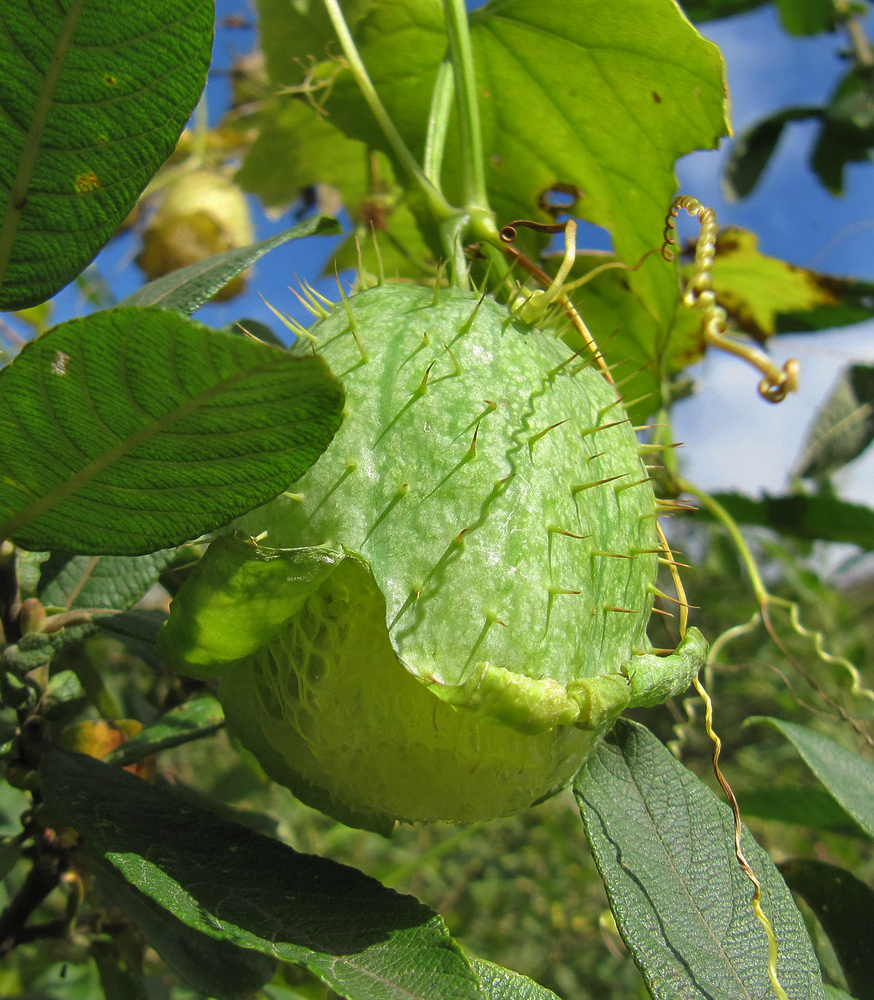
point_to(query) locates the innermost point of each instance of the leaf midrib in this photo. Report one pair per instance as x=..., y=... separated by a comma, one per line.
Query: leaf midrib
x=21, y=184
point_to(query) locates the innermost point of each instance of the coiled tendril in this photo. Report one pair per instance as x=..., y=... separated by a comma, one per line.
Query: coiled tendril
x=699, y=294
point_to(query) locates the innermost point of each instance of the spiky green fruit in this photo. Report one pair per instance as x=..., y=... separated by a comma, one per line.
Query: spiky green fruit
x=449, y=609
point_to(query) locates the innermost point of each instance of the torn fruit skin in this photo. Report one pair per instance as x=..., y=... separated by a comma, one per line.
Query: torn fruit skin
x=444, y=615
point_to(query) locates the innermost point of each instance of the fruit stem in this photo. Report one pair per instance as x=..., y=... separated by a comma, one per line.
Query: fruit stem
x=437, y=203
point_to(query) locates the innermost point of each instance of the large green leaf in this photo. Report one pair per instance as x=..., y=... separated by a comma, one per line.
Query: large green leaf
x=95, y=94
x=194, y=720
x=844, y=906
x=188, y=288
x=798, y=805
x=586, y=95
x=136, y=429
x=846, y=775
x=664, y=846
x=232, y=884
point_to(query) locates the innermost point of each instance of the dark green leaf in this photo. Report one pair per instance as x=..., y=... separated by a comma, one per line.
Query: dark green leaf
x=843, y=426
x=846, y=776
x=502, y=984
x=807, y=17
x=190, y=287
x=843, y=905
x=367, y=942
x=664, y=846
x=100, y=581
x=136, y=629
x=754, y=147
x=799, y=805
x=191, y=721
x=822, y=517
x=847, y=135
x=135, y=429
x=95, y=95
x=214, y=967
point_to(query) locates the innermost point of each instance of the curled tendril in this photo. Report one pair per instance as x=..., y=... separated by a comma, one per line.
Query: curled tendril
x=777, y=383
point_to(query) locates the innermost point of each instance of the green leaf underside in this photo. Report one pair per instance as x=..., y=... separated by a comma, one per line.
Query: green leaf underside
x=188, y=288
x=212, y=966
x=367, y=942
x=193, y=720
x=664, y=846
x=843, y=905
x=848, y=778
x=100, y=581
x=151, y=429
x=94, y=98
x=843, y=426
x=822, y=517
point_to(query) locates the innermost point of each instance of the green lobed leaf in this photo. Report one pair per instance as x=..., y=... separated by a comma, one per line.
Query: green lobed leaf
x=608, y=95
x=821, y=517
x=843, y=426
x=847, y=135
x=134, y=429
x=846, y=776
x=365, y=941
x=214, y=967
x=115, y=582
x=194, y=720
x=664, y=846
x=843, y=905
x=95, y=96
x=188, y=288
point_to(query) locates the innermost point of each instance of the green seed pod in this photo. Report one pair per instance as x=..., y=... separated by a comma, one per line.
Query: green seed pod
x=450, y=608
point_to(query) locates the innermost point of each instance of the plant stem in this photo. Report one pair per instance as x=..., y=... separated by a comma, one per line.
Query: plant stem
x=438, y=122
x=461, y=56
x=439, y=206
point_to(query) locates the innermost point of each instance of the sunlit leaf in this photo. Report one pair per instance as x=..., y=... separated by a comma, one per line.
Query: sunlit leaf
x=365, y=941
x=756, y=289
x=196, y=719
x=665, y=848
x=136, y=429
x=95, y=95
x=798, y=805
x=502, y=984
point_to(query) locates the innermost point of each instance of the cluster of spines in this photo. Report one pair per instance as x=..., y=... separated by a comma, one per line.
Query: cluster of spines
x=573, y=365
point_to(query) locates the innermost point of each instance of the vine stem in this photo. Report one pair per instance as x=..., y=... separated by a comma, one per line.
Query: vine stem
x=437, y=203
